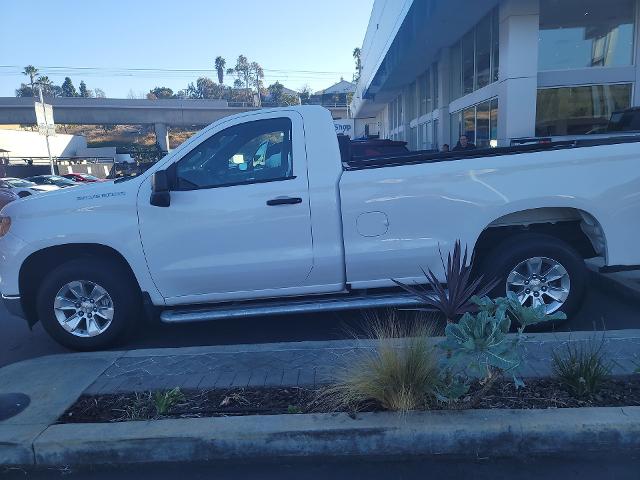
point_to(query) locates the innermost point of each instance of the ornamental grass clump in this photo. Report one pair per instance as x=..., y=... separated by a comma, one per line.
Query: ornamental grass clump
x=581, y=367
x=400, y=374
x=165, y=401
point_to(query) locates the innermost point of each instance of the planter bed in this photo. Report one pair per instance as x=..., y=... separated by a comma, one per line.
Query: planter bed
x=536, y=394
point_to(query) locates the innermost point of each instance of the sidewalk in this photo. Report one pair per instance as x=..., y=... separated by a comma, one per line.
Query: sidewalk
x=308, y=364
x=55, y=382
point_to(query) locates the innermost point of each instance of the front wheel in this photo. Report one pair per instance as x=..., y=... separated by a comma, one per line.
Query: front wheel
x=540, y=270
x=87, y=304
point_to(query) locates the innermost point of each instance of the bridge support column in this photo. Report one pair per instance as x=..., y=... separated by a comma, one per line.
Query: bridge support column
x=162, y=136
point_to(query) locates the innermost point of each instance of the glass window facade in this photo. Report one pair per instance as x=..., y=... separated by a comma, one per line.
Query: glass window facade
x=479, y=123
x=483, y=53
x=475, y=58
x=413, y=138
x=456, y=71
x=468, y=62
x=434, y=138
x=426, y=135
x=422, y=94
x=579, y=110
x=495, y=46
x=585, y=33
x=395, y=113
x=411, y=99
x=425, y=93
x=435, y=82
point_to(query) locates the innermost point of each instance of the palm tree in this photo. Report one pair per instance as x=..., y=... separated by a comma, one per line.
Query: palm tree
x=46, y=84
x=356, y=57
x=31, y=72
x=220, y=64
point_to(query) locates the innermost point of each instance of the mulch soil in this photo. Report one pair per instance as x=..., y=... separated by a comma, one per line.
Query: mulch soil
x=537, y=393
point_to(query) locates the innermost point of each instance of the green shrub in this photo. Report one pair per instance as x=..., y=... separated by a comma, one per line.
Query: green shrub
x=165, y=401
x=515, y=311
x=581, y=367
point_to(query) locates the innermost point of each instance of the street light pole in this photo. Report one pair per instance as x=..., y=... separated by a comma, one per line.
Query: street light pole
x=46, y=126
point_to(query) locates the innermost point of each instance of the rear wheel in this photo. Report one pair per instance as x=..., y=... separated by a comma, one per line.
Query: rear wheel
x=539, y=270
x=88, y=304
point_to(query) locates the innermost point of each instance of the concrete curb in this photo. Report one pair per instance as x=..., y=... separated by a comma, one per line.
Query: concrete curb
x=52, y=387
x=471, y=434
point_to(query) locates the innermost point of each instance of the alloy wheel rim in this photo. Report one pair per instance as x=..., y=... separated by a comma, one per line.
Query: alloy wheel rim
x=83, y=308
x=540, y=281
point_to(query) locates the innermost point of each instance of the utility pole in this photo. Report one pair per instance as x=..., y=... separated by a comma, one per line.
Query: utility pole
x=46, y=126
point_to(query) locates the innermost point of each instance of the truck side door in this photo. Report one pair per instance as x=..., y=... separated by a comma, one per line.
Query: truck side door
x=239, y=223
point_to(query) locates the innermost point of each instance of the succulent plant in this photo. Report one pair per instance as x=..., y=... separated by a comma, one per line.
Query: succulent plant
x=511, y=306
x=480, y=343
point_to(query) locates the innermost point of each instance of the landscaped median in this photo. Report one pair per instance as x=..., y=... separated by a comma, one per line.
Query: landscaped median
x=234, y=376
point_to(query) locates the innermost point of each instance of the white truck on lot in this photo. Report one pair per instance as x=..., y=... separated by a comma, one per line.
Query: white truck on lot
x=269, y=212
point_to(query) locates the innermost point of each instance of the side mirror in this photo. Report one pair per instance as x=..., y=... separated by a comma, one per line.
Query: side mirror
x=160, y=196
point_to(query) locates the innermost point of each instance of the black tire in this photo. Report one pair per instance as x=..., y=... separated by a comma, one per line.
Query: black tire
x=508, y=254
x=114, y=278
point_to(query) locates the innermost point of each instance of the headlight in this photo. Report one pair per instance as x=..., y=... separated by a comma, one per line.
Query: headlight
x=5, y=225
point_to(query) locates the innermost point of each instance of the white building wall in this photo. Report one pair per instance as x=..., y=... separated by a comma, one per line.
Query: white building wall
x=25, y=144
x=31, y=144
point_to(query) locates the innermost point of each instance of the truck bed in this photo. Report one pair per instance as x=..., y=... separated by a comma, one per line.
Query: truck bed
x=351, y=163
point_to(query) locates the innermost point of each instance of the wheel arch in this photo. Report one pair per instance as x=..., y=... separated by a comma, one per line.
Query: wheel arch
x=577, y=227
x=36, y=264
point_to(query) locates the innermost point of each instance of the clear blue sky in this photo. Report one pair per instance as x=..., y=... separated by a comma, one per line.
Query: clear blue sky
x=285, y=35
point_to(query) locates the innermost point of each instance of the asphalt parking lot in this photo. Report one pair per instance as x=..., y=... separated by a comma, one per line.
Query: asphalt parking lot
x=600, y=309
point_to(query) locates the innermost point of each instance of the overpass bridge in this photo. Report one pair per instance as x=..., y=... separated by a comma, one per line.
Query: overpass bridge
x=161, y=113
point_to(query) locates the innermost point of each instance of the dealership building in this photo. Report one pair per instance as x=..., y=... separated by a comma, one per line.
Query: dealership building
x=495, y=69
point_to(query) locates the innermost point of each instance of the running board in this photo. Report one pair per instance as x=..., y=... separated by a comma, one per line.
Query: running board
x=280, y=307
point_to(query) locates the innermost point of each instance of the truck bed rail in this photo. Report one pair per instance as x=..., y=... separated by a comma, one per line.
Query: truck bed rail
x=414, y=158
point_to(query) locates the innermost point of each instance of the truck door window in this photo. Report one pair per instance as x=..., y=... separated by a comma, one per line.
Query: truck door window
x=251, y=152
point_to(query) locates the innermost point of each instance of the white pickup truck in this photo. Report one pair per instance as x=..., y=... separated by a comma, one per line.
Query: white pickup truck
x=268, y=212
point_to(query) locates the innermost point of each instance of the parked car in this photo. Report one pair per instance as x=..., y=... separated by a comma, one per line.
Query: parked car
x=260, y=214
x=24, y=188
x=55, y=180
x=82, y=178
x=7, y=196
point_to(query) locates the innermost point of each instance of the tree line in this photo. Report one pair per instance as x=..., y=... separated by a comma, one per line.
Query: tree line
x=49, y=89
x=247, y=85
